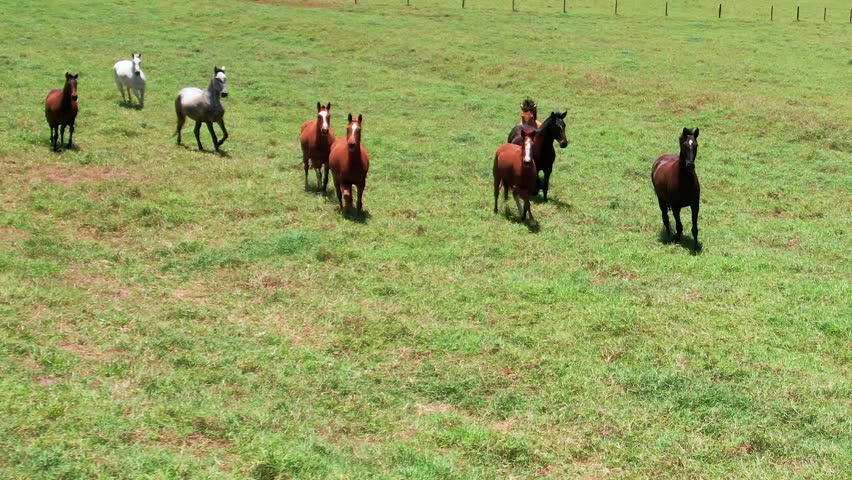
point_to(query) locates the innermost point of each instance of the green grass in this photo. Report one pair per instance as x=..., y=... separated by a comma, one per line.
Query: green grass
x=166, y=313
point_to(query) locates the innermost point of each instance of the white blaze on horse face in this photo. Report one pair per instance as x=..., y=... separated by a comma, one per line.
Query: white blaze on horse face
x=527, y=149
x=355, y=128
x=324, y=115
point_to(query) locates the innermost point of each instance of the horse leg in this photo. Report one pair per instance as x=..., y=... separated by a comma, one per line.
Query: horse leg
x=546, y=183
x=213, y=135
x=305, y=162
x=120, y=90
x=360, y=204
x=318, y=173
x=221, y=123
x=336, y=189
x=496, y=191
x=324, y=176
x=54, y=136
x=62, y=134
x=678, y=225
x=665, y=211
x=198, y=134
x=527, y=209
x=521, y=211
x=70, y=134
x=694, y=210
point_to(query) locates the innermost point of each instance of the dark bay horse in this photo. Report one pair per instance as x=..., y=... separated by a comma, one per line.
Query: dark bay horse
x=515, y=169
x=552, y=129
x=60, y=109
x=204, y=106
x=316, y=138
x=349, y=163
x=676, y=183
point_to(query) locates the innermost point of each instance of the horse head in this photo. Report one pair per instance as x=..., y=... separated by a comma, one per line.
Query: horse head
x=220, y=80
x=71, y=85
x=137, y=64
x=557, y=128
x=324, y=117
x=527, y=140
x=529, y=105
x=353, y=132
x=689, y=147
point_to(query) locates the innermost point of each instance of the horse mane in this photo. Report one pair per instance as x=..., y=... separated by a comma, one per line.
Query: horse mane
x=528, y=105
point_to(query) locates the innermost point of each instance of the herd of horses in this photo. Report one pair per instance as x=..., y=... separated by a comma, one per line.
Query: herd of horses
x=517, y=163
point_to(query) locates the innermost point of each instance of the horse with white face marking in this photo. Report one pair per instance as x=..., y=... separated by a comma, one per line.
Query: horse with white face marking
x=514, y=168
x=349, y=163
x=204, y=106
x=128, y=75
x=316, y=139
x=676, y=184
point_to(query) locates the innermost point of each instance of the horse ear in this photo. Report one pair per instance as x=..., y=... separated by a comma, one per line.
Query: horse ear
x=563, y=114
x=67, y=75
x=685, y=133
x=329, y=106
x=696, y=133
x=319, y=106
x=350, y=118
x=76, y=76
x=360, y=118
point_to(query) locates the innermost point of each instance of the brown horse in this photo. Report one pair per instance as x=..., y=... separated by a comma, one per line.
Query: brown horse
x=316, y=139
x=529, y=118
x=514, y=167
x=676, y=183
x=349, y=162
x=60, y=109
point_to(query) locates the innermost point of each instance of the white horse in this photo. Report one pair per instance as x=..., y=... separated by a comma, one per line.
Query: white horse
x=128, y=75
x=204, y=106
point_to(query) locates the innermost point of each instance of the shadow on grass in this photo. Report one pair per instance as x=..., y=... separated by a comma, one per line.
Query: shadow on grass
x=129, y=105
x=686, y=242
x=532, y=225
x=220, y=152
x=61, y=147
x=357, y=217
x=539, y=200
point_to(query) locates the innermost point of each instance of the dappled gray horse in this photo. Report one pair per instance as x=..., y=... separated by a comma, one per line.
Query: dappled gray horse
x=204, y=106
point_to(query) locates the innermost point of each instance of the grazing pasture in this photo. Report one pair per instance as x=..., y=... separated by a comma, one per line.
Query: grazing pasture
x=170, y=313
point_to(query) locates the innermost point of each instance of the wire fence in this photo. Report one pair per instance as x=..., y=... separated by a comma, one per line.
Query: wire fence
x=830, y=11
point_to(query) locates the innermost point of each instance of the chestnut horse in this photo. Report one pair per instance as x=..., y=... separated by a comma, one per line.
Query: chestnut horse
x=514, y=167
x=529, y=117
x=349, y=162
x=676, y=183
x=552, y=129
x=316, y=139
x=60, y=109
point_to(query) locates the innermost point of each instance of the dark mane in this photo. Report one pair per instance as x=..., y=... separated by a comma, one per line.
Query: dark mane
x=528, y=105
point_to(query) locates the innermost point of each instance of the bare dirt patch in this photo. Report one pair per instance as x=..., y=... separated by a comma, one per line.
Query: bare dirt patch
x=11, y=236
x=63, y=174
x=88, y=351
x=429, y=408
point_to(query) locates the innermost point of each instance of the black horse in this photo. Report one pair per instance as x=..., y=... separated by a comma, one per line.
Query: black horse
x=552, y=129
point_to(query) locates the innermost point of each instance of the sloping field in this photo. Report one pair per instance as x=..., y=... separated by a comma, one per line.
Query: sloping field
x=168, y=313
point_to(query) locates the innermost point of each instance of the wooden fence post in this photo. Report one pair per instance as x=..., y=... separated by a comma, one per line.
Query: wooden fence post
x=616, y=7
x=824, y=13
x=720, y=10
x=667, y=9
x=772, y=13
x=564, y=6
x=513, y=5
x=797, y=13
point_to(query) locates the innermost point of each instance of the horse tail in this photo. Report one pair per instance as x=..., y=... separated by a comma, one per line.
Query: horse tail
x=180, y=116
